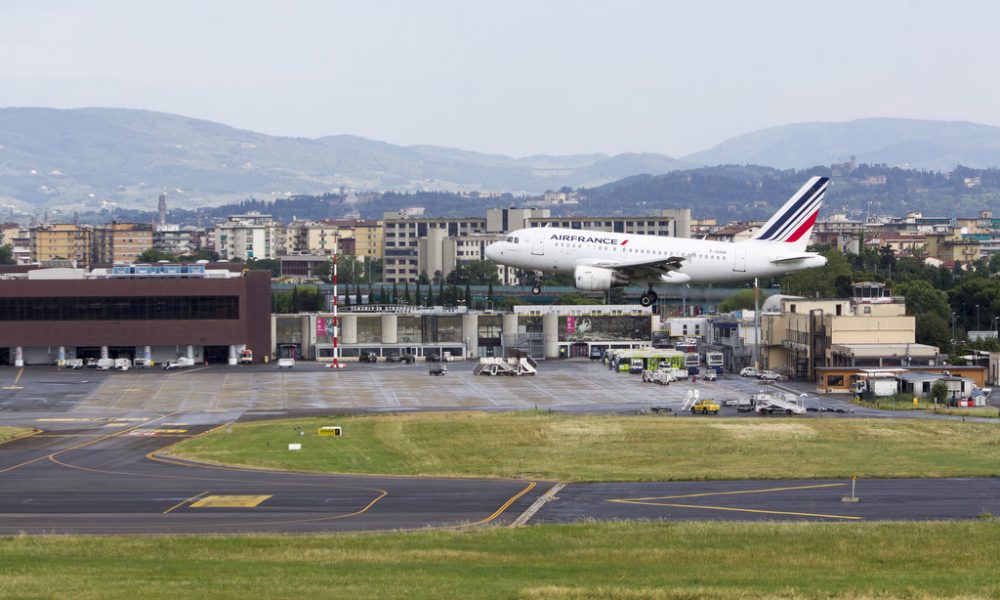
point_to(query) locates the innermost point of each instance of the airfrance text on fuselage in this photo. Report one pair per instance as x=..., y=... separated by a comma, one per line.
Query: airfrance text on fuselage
x=585, y=239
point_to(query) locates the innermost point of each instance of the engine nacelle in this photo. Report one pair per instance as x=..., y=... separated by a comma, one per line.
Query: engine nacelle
x=596, y=279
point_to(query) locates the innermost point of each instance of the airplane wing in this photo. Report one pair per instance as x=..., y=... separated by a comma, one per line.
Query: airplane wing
x=649, y=268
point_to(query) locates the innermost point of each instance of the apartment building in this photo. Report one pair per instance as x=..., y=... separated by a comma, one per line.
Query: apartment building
x=667, y=222
x=177, y=240
x=252, y=235
x=61, y=241
x=120, y=242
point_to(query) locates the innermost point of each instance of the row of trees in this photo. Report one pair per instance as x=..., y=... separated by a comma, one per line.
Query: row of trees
x=307, y=298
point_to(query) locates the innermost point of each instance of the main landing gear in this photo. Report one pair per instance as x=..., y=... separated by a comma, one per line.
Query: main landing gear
x=536, y=289
x=649, y=298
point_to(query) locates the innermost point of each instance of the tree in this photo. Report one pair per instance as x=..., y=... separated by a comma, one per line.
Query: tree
x=939, y=392
x=151, y=255
x=922, y=297
x=741, y=300
x=266, y=264
x=576, y=298
x=823, y=282
x=7, y=255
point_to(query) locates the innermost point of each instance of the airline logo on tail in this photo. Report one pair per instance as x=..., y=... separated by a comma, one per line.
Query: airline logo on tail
x=797, y=217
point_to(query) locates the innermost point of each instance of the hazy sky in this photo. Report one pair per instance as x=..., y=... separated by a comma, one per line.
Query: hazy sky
x=513, y=77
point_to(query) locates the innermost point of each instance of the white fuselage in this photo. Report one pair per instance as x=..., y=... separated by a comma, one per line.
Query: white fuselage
x=556, y=250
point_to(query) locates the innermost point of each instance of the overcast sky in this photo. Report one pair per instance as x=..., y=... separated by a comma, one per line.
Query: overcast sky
x=512, y=77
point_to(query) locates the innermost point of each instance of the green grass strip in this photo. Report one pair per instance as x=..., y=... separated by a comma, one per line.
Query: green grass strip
x=593, y=560
x=607, y=448
x=9, y=433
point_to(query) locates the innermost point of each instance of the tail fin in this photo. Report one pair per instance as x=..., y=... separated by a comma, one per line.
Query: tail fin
x=794, y=222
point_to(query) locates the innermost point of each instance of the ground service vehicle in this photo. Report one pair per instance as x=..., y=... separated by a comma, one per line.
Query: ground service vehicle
x=710, y=375
x=180, y=363
x=770, y=376
x=636, y=366
x=368, y=357
x=437, y=370
x=73, y=363
x=749, y=372
x=704, y=407
x=122, y=364
x=246, y=357
x=286, y=363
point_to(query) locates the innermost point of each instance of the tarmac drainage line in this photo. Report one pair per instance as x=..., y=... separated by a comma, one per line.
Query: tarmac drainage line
x=538, y=504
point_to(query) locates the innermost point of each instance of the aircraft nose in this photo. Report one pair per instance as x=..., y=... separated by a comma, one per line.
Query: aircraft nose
x=491, y=251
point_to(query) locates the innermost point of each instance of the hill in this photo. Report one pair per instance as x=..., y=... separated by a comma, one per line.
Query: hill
x=915, y=144
x=88, y=159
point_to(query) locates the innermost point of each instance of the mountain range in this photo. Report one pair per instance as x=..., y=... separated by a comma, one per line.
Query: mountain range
x=96, y=158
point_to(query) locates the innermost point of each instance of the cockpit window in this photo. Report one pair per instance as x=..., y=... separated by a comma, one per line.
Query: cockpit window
x=517, y=241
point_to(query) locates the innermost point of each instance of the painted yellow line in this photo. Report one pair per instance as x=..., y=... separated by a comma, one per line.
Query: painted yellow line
x=507, y=504
x=18, y=378
x=185, y=501
x=747, y=510
x=735, y=493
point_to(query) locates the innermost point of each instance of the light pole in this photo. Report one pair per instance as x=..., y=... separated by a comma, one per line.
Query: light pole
x=977, y=317
x=954, y=316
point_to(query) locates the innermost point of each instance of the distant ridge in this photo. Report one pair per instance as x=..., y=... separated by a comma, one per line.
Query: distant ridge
x=86, y=159
x=909, y=143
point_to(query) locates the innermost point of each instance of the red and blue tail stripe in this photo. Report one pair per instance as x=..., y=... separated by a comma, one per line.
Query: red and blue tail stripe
x=797, y=217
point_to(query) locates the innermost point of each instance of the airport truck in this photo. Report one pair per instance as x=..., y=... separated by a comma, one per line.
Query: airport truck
x=182, y=362
x=878, y=387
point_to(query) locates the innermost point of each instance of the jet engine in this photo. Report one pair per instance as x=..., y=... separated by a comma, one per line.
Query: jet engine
x=596, y=279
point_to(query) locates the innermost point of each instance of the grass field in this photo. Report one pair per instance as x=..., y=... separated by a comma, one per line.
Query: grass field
x=7, y=433
x=602, y=448
x=599, y=560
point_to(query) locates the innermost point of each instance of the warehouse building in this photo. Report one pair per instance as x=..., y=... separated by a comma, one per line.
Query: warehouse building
x=205, y=312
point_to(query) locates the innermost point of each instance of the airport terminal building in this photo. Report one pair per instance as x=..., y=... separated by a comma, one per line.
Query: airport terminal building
x=204, y=312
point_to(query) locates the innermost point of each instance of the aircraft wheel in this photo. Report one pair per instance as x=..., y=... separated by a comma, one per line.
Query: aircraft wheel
x=647, y=299
x=536, y=290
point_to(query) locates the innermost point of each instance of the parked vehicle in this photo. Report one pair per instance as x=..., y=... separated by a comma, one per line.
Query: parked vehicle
x=142, y=363
x=286, y=363
x=704, y=407
x=393, y=358
x=246, y=357
x=596, y=353
x=636, y=366
x=438, y=370
x=749, y=372
x=447, y=357
x=770, y=376
x=73, y=363
x=122, y=364
x=408, y=358
x=181, y=363
x=105, y=364
x=433, y=357
x=368, y=357
x=709, y=375
x=91, y=363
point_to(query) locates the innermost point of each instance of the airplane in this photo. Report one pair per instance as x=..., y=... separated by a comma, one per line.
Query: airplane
x=600, y=260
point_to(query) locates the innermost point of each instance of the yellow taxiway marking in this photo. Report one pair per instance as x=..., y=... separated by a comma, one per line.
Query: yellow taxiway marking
x=749, y=510
x=185, y=501
x=14, y=385
x=229, y=501
x=656, y=501
x=507, y=504
x=69, y=419
x=735, y=492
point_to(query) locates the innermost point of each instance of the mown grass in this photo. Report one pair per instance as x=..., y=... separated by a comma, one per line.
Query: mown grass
x=604, y=448
x=9, y=433
x=593, y=560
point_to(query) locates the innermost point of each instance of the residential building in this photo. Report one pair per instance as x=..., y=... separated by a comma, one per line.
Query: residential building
x=252, y=235
x=177, y=240
x=61, y=241
x=120, y=242
x=667, y=222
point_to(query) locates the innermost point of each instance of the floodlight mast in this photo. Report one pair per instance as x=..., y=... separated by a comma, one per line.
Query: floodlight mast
x=336, y=321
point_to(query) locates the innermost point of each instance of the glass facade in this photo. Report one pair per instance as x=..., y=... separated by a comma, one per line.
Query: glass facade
x=128, y=308
x=369, y=329
x=409, y=329
x=604, y=328
x=288, y=330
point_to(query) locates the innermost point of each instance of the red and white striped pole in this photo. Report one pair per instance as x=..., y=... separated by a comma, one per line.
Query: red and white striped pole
x=336, y=321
